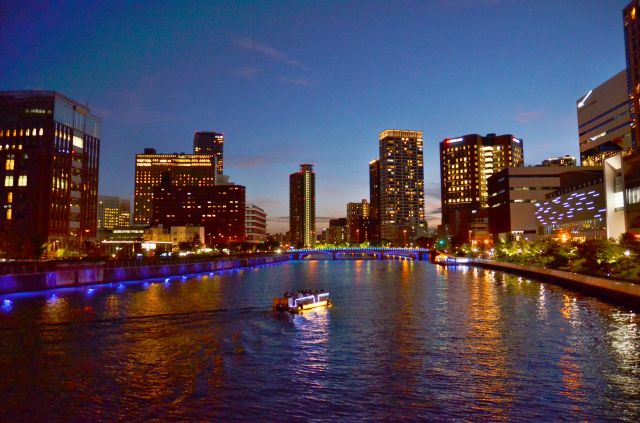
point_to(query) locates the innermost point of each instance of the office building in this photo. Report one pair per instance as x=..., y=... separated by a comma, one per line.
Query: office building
x=113, y=212
x=219, y=209
x=374, y=201
x=514, y=191
x=465, y=165
x=49, y=159
x=337, y=231
x=566, y=160
x=577, y=211
x=211, y=144
x=185, y=170
x=302, y=207
x=632, y=50
x=622, y=193
x=401, y=185
x=358, y=222
x=255, y=224
x=604, y=121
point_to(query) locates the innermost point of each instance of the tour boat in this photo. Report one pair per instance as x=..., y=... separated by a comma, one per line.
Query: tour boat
x=297, y=303
x=445, y=260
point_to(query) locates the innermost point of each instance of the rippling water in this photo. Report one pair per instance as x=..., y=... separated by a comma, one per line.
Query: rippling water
x=404, y=341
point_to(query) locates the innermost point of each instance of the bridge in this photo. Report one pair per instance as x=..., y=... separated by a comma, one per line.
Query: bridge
x=371, y=253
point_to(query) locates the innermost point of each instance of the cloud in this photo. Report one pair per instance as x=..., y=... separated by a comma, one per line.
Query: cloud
x=526, y=117
x=470, y=3
x=247, y=162
x=249, y=44
x=247, y=72
x=293, y=81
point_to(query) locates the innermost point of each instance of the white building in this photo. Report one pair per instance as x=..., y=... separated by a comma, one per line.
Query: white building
x=255, y=224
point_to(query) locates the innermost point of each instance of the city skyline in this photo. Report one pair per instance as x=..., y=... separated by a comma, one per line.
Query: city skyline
x=308, y=96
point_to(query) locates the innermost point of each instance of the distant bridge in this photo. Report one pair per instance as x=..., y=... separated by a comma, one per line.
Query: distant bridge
x=371, y=253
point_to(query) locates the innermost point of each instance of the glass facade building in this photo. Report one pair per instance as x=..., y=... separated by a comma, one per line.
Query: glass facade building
x=113, y=212
x=49, y=154
x=212, y=144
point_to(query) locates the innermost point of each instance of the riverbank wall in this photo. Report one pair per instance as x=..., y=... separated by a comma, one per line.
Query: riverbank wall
x=622, y=293
x=99, y=273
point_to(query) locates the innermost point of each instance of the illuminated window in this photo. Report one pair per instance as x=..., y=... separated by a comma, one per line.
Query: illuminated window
x=9, y=197
x=41, y=131
x=9, y=164
x=8, y=181
x=22, y=181
x=9, y=214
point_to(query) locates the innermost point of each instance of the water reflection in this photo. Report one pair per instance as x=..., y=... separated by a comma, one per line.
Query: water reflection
x=484, y=350
x=310, y=345
x=405, y=340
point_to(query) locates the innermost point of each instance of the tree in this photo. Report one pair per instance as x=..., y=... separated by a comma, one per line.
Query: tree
x=630, y=242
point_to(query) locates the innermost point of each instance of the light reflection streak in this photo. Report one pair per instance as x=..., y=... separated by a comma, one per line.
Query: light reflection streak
x=310, y=358
x=485, y=350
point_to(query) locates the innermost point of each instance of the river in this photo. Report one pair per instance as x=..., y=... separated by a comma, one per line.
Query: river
x=405, y=340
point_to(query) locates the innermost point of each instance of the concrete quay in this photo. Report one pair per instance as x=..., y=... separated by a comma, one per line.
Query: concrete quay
x=102, y=273
x=622, y=293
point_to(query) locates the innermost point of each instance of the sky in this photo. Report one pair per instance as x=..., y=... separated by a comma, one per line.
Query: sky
x=314, y=82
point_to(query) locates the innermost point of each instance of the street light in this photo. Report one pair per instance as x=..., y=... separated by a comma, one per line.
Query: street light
x=627, y=253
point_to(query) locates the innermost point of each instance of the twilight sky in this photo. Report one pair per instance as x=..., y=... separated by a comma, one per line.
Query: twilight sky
x=314, y=82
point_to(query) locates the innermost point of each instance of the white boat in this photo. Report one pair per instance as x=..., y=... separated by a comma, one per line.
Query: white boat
x=297, y=303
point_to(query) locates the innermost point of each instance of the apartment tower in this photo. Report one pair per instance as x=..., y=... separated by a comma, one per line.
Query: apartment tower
x=401, y=171
x=302, y=207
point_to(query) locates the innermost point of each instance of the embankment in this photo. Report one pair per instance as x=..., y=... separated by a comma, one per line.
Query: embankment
x=623, y=293
x=101, y=272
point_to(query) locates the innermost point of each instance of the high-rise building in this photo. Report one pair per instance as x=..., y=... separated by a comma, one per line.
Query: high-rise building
x=632, y=48
x=184, y=170
x=212, y=144
x=565, y=160
x=358, y=222
x=604, y=121
x=49, y=157
x=113, y=212
x=337, y=232
x=465, y=164
x=401, y=185
x=255, y=224
x=374, y=200
x=302, y=207
x=219, y=209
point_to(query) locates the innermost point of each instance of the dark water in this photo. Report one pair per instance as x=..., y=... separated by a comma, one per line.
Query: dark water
x=404, y=341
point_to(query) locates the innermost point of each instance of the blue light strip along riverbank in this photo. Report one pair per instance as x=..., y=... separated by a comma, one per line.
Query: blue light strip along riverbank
x=96, y=274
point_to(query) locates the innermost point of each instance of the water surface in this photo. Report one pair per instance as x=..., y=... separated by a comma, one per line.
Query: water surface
x=405, y=340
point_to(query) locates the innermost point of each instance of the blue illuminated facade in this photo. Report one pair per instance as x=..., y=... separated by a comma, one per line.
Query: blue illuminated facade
x=578, y=212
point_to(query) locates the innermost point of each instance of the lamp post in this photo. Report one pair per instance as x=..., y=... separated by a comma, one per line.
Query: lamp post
x=627, y=253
